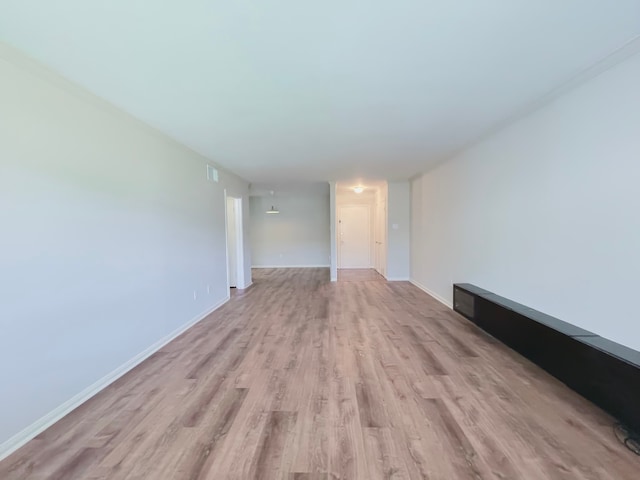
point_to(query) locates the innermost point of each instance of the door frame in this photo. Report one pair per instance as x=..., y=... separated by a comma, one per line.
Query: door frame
x=239, y=243
x=339, y=231
x=381, y=235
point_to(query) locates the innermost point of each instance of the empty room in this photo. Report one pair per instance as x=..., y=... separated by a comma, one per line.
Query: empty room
x=338, y=240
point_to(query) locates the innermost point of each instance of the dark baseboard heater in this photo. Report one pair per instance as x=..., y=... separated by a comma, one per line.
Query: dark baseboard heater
x=604, y=372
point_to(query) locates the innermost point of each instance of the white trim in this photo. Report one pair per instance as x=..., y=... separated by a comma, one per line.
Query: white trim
x=290, y=266
x=434, y=295
x=21, y=438
x=244, y=287
x=357, y=268
x=226, y=238
x=240, y=241
x=398, y=279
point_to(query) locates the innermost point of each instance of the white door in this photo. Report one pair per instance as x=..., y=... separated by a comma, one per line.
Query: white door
x=232, y=242
x=354, y=236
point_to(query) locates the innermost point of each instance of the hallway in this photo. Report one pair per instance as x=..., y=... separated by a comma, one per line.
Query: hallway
x=299, y=378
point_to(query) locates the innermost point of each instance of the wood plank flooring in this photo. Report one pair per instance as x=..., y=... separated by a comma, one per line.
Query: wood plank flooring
x=359, y=275
x=297, y=378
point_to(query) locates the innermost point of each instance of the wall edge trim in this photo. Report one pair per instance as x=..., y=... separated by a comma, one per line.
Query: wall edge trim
x=432, y=294
x=290, y=266
x=27, y=434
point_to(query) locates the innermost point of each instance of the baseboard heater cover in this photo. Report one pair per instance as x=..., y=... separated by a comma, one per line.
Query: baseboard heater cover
x=604, y=372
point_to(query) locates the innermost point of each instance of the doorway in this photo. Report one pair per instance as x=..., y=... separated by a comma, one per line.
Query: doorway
x=354, y=236
x=235, y=256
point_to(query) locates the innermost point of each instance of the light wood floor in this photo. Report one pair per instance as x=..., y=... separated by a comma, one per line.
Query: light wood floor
x=298, y=378
x=359, y=275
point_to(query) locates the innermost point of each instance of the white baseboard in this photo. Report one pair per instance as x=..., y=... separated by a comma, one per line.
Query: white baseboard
x=245, y=286
x=21, y=438
x=290, y=266
x=356, y=268
x=432, y=294
x=397, y=279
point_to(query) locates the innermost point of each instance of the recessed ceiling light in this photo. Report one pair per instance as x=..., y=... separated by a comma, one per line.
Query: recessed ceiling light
x=358, y=189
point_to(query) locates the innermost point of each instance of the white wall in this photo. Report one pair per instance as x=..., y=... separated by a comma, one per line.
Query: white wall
x=545, y=212
x=108, y=229
x=296, y=237
x=333, y=238
x=232, y=242
x=398, y=230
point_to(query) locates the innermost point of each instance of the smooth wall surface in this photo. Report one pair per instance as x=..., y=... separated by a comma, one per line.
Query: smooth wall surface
x=546, y=211
x=332, y=232
x=109, y=229
x=398, y=230
x=299, y=236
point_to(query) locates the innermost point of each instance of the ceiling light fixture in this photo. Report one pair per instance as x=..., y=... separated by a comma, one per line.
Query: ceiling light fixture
x=358, y=189
x=273, y=209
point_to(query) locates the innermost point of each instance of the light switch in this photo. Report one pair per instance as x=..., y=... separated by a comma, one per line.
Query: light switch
x=395, y=226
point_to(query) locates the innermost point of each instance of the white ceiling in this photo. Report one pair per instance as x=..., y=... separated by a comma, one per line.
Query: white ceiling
x=289, y=189
x=370, y=187
x=288, y=90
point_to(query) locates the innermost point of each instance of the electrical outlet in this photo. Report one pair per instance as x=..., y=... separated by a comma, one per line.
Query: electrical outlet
x=195, y=295
x=208, y=289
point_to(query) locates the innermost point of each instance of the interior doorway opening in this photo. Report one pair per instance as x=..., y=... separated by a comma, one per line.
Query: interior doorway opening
x=235, y=251
x=361, y=226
